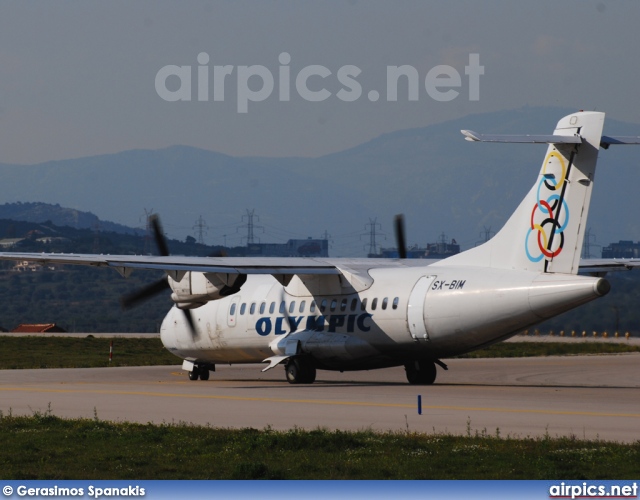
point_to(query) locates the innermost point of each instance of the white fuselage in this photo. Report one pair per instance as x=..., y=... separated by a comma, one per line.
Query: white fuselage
x=406, y=314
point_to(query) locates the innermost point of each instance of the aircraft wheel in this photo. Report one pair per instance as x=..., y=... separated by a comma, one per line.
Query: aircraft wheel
x=193, y=375
x=421, y=372
x=311, y=374
x=204, y=374
x=292, y=370
x=300, y=371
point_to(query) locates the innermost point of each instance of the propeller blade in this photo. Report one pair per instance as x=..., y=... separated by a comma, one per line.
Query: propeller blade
x=192, y=327
x=158, y=235
x=400, y=239
x=133, y=299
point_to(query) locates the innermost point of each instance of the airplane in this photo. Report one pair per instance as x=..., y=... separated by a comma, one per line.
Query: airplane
x=312, y=314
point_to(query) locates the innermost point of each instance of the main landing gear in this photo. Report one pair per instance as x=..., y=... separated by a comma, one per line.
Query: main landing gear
x=300, y=370
x=201, y=371
x=421, y=372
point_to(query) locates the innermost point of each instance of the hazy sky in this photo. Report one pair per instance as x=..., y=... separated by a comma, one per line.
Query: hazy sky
x=79, y=78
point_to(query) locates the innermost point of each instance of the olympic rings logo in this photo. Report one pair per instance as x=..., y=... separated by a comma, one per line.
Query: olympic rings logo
x=544, y=221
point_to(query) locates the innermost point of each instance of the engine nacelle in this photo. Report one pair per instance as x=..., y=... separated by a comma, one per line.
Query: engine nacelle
x=193, y=289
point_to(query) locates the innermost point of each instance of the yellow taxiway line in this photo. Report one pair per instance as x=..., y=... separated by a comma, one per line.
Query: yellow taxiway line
x=317, y=401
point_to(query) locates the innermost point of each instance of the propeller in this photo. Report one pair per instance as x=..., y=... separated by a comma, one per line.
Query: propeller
x=400, y=238
x=136, y=298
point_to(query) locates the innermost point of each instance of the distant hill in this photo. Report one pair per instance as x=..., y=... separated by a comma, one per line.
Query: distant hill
x=61, y=216
x=440, y=181
x=48, y=237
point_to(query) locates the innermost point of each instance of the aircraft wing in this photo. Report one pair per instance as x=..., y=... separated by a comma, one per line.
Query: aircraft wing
x=261, y=265
x=232, y=265
x=175, y=264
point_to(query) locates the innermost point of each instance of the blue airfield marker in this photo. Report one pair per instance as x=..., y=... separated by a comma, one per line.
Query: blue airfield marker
x=419, y=404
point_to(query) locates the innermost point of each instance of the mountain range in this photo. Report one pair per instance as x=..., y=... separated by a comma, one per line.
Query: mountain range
x=439, y=181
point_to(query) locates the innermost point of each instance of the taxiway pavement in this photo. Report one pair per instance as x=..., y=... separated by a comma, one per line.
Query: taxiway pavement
x=594, y=397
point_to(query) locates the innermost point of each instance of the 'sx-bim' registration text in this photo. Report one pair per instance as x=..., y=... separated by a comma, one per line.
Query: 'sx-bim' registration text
x=256, y=83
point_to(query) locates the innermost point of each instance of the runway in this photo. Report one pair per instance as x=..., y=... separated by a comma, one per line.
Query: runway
x=594, y=397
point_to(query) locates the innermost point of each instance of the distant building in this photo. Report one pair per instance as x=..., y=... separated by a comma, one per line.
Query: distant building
x=10, y=242
x=26, y=266
x=440, y=250
x=622, y=250
x=38, y=328
x=53, y=239
x=292, y=248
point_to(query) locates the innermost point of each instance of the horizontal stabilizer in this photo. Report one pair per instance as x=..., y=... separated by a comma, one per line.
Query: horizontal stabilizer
x=608, y=140
x=470, y=135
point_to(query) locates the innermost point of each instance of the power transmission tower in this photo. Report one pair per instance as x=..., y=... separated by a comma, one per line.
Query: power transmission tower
x=250, y=225
x=486, y=235
x=587, y=243
x=373, y=225
x=327, y=236
x=201, y=227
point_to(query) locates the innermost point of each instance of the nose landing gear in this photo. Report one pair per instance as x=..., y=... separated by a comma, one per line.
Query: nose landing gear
x=201, y=371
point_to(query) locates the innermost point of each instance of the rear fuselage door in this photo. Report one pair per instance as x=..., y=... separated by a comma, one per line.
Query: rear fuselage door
x=415, y=308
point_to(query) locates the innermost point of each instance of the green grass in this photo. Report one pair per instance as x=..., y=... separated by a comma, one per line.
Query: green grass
x=88, y=352
x=43, y=446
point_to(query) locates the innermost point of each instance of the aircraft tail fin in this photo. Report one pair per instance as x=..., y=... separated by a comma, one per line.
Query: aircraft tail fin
x=546, y=231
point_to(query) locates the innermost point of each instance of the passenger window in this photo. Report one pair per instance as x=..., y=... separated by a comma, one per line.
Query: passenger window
x=232, y=311
x=302, y=304
x=252, y=309
x=395, y=303
x=292, y=307
x=312, y=307
x=354, y=304
x=272, y=307
x=282, y=307
x=243, y=308
x=343, y=305
x=323, y=305
x=334, y=303
x=385, y=301
x=263, y=307
x=363, y=305
x=374, y=304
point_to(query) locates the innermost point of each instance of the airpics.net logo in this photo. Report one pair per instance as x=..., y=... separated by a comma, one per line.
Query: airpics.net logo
x=257, y=83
